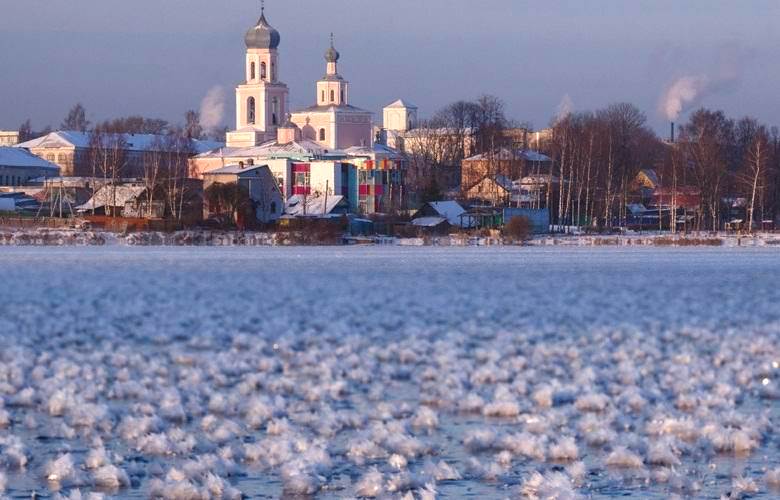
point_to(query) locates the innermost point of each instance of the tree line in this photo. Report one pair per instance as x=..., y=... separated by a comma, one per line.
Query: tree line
x=597, y=155
x=76, y=120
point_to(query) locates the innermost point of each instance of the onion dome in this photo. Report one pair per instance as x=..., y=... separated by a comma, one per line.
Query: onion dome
x=262, y=36
x=332, y=55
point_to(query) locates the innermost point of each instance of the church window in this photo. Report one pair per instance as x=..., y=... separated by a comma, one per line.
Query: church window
x=322, y=134
x=262, y=71
x=323, y=96
x=275, y=110
x=252, y=71
x=250, y=111
x=332, y=96
x=273, y=72
x=342, y=96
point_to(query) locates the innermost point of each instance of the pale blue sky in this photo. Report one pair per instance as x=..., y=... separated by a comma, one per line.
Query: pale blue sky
x=160, y=57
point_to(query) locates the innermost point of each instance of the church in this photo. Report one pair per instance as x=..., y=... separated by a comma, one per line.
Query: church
x=327, y=149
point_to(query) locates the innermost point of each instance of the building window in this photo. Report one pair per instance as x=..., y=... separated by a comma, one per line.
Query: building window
x=323, y=97
x=273, y=72
x=274, y=110
x=322, y=134
x=252, y=74
x=332, y=96
x=262, y=71
x=250, y=111
x=342, y=96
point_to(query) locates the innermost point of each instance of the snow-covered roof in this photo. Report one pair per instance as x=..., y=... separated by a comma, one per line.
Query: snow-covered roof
x=21, y=158
x=400, y=103
x=315, y=205
x=536, y=180
x=450, y=210
x=115, y=196
x=234, y=169
x=505, y=154
x=428, y=221
x=377, y=150
x=134, y=142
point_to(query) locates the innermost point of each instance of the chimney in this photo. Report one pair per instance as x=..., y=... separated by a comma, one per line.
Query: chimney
x=250, y=162
x=241, y=165
x=671, y=138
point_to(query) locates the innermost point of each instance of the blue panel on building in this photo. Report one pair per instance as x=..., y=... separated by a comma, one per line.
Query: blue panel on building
x=539, y=217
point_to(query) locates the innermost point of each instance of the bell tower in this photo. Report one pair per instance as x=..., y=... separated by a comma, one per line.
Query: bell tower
x=332, y=89
x=261, y=99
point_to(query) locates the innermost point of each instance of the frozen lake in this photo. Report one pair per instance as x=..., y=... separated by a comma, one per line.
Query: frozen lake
x=389, y=372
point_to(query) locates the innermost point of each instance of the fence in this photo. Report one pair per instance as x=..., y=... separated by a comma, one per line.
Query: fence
x=38, y=222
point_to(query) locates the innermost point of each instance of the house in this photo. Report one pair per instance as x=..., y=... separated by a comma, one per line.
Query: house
x=182, y=202
x=511, y=163
x=434, y=225
x=496, y=190
x=534, y=191
x=125, y=200
x=9, y=137
x=642, y=186
x=18, y=167
x=370, y=178
x=260, y=183
x=71, y=150
x=685, y=197
x=450, y=211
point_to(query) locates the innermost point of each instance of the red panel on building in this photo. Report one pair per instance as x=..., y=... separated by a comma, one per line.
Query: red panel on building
x=301, y=167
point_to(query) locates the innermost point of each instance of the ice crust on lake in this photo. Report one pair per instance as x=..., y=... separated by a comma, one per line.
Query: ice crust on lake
x=189, y=373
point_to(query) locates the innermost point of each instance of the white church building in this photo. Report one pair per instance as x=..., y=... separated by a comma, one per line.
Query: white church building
x=325, y=149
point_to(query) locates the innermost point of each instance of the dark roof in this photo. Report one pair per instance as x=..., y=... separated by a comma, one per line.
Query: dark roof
x=262, y=36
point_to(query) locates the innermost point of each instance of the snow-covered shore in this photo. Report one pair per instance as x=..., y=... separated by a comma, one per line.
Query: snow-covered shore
x=75, y=237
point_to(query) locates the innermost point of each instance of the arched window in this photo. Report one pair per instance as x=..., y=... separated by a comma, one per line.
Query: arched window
x=250, y=111
x=322, y=134
x=273, y=72
x=323, y=96
x=332, y=96
x=342, y=96
x=262, y=71
x=252, y=74
x=274, y=110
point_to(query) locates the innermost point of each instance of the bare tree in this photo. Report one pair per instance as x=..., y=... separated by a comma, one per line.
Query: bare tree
x=76, y=119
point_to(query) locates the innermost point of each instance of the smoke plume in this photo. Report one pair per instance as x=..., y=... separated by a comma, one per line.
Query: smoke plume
x=688, y=91
x=212, y=108
x=565, y=108
x=684, y=93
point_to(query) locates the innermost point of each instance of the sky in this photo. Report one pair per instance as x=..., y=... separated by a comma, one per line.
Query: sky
x=159, y=58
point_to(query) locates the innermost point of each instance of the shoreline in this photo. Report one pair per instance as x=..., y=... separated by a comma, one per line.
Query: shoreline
x=44, y=237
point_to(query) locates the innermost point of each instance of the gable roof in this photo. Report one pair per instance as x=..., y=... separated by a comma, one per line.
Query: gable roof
x=115, y=196
x=506, y=154
x=135, y=142
x=450, y=210
x=400, y=103
x=235, y=169
x=374, y=151
x=314, y=205
x=21, y=158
